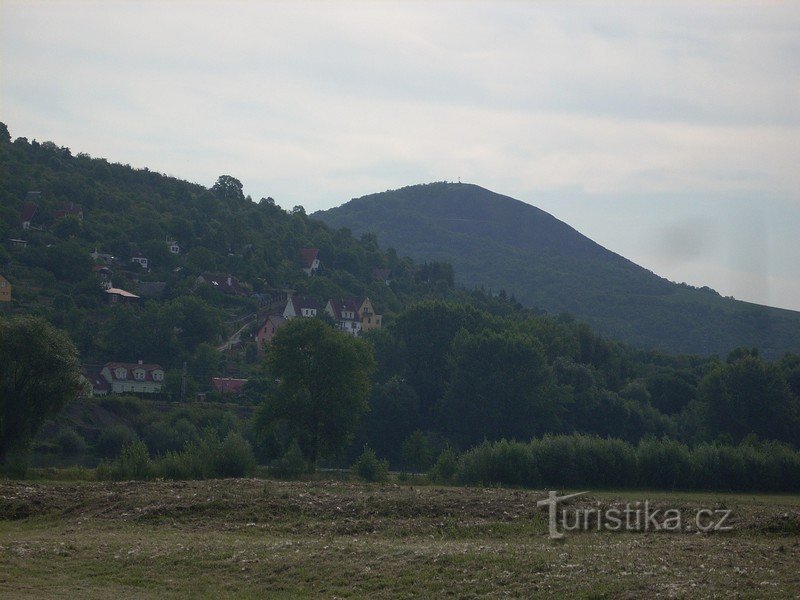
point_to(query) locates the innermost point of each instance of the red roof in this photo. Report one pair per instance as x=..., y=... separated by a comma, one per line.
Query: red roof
x=308, y=256
x=225, y=283
x=344, y=305
x=301, y=302
x=228, y=385
x=92, y=374
x=28, y=212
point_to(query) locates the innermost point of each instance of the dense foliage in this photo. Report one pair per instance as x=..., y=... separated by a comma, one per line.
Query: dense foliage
x=569, y=461
x=321, y=388
x=451, y=373
x=504, y=244
x=449, y=369
x=39, y=375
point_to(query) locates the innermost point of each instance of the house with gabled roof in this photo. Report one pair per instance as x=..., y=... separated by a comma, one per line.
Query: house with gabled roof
x=301, y=306
x=28, y=214
x=309, y=257
x=95, y=384
x=227, y=284
x=267, y=331
x=118, y=295
x=141, y=259
x=369, y=318
x=345, y=313
x=136, y=378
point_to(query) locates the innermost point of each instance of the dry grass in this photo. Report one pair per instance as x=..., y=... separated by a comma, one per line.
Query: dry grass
x=257, y=538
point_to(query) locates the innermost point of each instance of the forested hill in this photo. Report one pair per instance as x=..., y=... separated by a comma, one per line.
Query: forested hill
x=504, y=244
x=85, y=204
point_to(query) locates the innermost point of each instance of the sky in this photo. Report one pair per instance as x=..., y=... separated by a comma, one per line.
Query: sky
x=668, y=132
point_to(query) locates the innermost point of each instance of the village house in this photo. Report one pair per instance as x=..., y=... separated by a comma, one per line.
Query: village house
x=300, y=306
x=94, y=384
x=117, y=295
x=228, y=386
x=310, y=260
x=267, y=331
x=226, y=284
x=5, y=290
x=173, y=246
x=345, y=313
x=17, y=243
x=135, y=378
x=141, y=259
x=369, y=320
x=28, y=214
x=103, y=274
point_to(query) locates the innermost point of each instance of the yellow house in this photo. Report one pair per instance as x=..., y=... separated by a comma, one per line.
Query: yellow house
x=5, y=290
x=369, y=320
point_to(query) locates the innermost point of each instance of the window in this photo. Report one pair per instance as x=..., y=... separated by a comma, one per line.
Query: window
x=138, y=374
x=121, y=373
x=158, y=375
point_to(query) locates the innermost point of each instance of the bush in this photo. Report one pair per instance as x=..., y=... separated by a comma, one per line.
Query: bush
x=446, y=466
x=133, y=463
x=114, y=439
x=236, y=458
x=369, y=468
x=291, y=465
x=71, y=442
x=654, y=463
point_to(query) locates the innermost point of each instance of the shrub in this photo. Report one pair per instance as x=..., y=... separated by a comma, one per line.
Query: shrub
x=133, y=463
x=114, y=439
x=236, y=458
x=71, y=442
x=446, y=465
x=291, y=465
x=369, y=468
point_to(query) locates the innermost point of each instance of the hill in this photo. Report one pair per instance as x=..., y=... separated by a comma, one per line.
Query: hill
x=504, y=244
x=68, y=220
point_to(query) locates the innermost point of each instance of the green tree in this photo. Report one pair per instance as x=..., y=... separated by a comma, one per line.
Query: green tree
x=322, y=386
x=747, y=396
x=39, y=375
x=499, y=388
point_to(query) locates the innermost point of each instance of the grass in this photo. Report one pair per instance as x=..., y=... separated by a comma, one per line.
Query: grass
x=252, y=538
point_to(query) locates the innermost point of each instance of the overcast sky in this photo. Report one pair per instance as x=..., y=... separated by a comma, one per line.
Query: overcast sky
x=667, y=132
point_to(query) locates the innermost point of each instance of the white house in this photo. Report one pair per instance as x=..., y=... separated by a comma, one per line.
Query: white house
x=345, y=313
x=138, y=257
x=136, y=378
x=300, y=306
x=310, y=259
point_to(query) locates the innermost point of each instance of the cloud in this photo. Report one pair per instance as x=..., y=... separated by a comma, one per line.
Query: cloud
x=314, y=103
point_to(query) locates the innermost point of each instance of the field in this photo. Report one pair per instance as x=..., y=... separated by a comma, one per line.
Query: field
x=263, y=538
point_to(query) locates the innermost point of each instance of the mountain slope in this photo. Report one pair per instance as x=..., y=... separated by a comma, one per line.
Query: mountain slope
x=502, y=243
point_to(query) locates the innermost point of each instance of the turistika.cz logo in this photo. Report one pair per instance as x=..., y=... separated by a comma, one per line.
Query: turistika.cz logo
x=636, y=517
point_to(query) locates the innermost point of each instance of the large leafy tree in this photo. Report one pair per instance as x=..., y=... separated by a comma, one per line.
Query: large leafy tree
x=39, y=375
x=748, y=396
x=499, y=388
x=322, y=385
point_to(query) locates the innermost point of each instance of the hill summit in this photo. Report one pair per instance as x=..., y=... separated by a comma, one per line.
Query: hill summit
x=507, y=245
